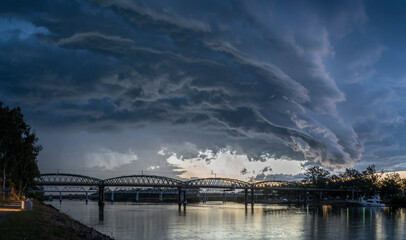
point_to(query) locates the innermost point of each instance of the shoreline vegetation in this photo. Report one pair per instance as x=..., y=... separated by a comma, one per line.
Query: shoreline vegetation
x=46, y=222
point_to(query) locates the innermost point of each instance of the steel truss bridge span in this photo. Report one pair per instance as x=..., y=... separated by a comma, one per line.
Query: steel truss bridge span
x=217, y=183
x=65, y=179
x=268, y=184
x=142, y=181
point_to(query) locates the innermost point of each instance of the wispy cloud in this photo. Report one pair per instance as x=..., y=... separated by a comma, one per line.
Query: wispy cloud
x=109, y=160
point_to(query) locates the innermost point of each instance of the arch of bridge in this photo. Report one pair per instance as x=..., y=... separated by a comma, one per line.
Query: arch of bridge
x=267, y=184
x=63, y=179
x=217, y=183
x=143, y=181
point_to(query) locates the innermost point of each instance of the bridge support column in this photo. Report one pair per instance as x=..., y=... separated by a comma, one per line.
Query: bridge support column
x=305, y=197
x=87, y=198
x=352, y=193
x=101, y=214
x=101, y=195
x=184, y=200
x=161, y=196
x=246, y=198
x=180, y=198
x=137, y=196
x=252, y=200
x=112, y=196
x=204, y=197
x=224, y=197
x=60, y=197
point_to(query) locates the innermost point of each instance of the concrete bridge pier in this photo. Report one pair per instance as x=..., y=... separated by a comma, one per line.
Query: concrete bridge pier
x=101, y=214
x=305, y=197
x=112, y=197
x=87, y=198
x=184, y=200
x=352, y=193
x=137, y=196
x=252, y=200
x=60, y=197
x=161, y=196
x=180, y=199
x=101, y=196
x=246, y=198
x=224, y=197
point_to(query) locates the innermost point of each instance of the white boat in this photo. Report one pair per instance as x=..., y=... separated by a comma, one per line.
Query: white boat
x=374, y=201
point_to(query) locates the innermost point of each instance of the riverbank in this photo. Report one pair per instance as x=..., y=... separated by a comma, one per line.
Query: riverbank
x=45, y=222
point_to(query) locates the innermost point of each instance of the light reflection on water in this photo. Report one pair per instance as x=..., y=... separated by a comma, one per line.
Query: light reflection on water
x=216, y=220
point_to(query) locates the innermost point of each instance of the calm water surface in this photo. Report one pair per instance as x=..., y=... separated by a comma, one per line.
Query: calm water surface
x=215, y=220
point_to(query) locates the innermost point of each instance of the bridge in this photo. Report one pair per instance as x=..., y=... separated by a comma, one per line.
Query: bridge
x=65, y=182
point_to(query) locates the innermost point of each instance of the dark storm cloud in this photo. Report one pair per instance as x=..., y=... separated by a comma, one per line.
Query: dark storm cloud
x=250, y=75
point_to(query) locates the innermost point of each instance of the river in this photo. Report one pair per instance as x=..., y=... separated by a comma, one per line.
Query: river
x=215, y=220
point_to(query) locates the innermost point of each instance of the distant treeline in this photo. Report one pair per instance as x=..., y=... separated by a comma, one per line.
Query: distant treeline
x=18, y=151
x=370, y=181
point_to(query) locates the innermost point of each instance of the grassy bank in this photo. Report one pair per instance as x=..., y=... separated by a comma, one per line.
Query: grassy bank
x=45, y=222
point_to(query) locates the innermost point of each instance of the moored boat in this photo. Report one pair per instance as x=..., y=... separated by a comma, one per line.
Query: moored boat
x=374, y=201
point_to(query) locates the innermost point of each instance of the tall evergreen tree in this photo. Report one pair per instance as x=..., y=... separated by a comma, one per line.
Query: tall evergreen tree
x=18, y=150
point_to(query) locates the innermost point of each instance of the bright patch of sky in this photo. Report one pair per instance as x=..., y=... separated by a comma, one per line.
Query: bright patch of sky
x=109, y=160
x=229, y=164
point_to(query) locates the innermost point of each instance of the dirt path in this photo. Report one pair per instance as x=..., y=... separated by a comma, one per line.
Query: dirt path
x=9, y=208
x=4, y=215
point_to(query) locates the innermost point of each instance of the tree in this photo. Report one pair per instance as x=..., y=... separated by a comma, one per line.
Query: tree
x=18, y=149
x=391, y=185
x=26, y=169
x=317, y=175
x=351, y=177
x=371, y=179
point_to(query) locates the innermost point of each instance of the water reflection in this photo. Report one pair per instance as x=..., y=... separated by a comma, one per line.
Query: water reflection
x=216, y=220
x=101, y=214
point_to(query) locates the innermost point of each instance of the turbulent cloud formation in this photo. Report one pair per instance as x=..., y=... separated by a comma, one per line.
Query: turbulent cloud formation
x=299, y=81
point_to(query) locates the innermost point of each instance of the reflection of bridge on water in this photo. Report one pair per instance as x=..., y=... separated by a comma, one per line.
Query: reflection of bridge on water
x=141, y=184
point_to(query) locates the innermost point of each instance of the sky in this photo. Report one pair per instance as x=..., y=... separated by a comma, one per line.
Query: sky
x=253, y=90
